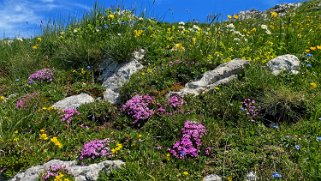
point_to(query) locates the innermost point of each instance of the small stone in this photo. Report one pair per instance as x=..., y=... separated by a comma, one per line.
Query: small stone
x=212, y=177
x=114, y=74
x=287, y=63
x=221, y=75
x=74, y=101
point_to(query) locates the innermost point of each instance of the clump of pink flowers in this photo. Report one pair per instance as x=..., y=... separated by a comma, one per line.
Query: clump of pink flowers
x=25, y=101
x=54, y=171
x=95, y=149
x=176, y=101
x=68, y=114
x=41, y=75
x=139, y=107
x=190, y=143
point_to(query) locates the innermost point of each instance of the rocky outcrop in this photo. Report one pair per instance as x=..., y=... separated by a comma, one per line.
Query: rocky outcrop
x=81, y=173
x=281, y=9
x=115, y=74
x=220, y=75
x=287, y=63
x=74, y=101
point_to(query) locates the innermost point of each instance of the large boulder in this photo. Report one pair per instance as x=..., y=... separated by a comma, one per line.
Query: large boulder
x=74, y=101
x=80, y=172
x=222, y=74
x=114, y=74
x=287, y=63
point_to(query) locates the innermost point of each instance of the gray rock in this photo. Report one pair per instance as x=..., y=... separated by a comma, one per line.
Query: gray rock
x=81, y=173
x=212, y=177
x=115, y=74
x=251, y=176
x=219, y=76
x=74, y=101
x=288, y=63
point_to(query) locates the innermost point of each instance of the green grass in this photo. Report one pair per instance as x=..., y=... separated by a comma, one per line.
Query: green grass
x=175, y=56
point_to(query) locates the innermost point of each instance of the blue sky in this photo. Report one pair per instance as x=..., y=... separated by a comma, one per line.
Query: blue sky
x=22, y=18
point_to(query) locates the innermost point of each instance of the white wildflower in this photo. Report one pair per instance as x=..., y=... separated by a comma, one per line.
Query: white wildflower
x=230, y=26
x=264, y=27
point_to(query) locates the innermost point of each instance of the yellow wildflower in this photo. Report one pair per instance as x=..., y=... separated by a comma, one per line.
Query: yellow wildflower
x=313, y=85
x=274, y=14
x=66, y=179
x=113, y=151
x=140, y=136
x=307, y=50
x=230, y=178
x=16, y=139
x=118, y=147
x=229, y=16
x=44, y=108
x=2, y=98
x=236, y=17
x=178, y=47
x=185, y=173
x=39, y=39
x=44, y=136
x=313, y=48
x=56, y=142
x=59, y=177
x=16, y=132
x=34, y=47
x=111, y=16
x=42, y=131
x=138, y=33
x=319, y=47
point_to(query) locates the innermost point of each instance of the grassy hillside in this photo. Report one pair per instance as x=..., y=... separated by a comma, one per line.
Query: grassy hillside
x=283, y=136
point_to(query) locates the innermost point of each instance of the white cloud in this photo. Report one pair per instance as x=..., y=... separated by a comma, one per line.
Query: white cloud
x=23, y=17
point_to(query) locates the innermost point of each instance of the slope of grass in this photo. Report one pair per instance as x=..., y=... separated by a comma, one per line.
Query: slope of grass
x=283, y=136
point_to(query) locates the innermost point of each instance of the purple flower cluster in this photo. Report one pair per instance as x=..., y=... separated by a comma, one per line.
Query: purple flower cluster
x=190, y=143
x=25, y=101
x=68, y=114
x=95, y=149
x=41, y=75
x=176, y=101
x=53, y=171
x=139, y=107
x=249, y=106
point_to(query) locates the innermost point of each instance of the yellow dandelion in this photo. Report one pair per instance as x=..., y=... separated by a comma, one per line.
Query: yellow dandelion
x=313, y=85
x=138, y=33
x=229, y=16
x=43, y=136
x=313, y=48
x=2, y=98
x=178, y=47
x=34, y=47
x=307, y=50
x=56, y=142
x=274, y=14
x=319, y=47
x=185, y=173
x=39, y=39
x=113, y=151
x=111, y=16
x=236, y=17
